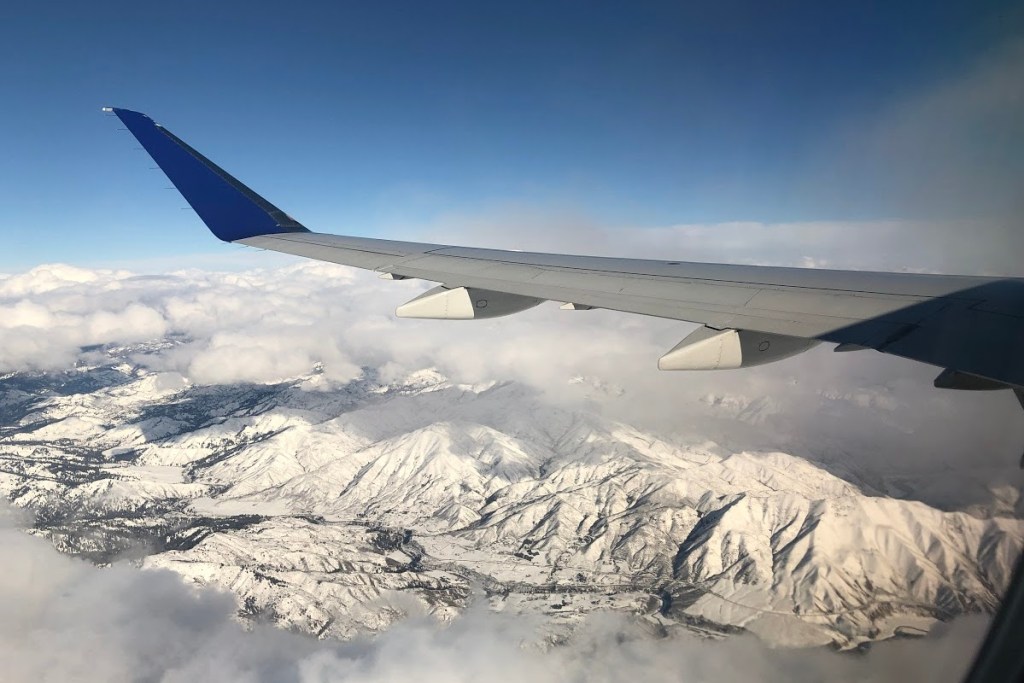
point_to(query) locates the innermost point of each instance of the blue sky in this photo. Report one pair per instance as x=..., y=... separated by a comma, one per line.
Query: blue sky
x=382, y=118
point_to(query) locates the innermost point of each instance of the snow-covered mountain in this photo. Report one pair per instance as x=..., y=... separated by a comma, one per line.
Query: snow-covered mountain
x=336, y=509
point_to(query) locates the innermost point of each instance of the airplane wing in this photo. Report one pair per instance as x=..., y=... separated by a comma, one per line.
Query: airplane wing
x=972, y=327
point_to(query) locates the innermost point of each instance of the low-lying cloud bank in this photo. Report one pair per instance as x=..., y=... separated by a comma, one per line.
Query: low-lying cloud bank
x=267, y=325
x=66, y=620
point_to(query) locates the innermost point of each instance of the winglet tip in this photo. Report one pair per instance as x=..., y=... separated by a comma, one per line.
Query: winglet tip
x=119, y=111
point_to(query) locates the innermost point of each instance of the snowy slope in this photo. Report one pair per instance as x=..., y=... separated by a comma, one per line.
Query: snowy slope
x=336, y=509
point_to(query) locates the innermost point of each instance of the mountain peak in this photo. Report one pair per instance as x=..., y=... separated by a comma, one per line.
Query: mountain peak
x=328, y=509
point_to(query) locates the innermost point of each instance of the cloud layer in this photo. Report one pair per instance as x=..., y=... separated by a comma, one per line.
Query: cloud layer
x=865, y=410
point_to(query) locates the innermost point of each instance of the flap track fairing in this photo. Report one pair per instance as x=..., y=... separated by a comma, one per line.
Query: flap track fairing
x=709, y=349
x=464, y=303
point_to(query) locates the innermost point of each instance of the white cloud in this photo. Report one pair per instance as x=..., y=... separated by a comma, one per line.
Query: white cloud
x=862, y=410
x=46, y=278
x=65, y=620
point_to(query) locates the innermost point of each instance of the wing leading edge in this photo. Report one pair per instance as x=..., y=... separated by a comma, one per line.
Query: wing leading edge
x=973, y=327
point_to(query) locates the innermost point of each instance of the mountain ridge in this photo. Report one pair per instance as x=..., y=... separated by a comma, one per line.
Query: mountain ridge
x=335, y=509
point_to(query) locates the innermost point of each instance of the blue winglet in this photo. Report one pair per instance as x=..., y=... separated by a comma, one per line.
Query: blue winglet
x=230, y=209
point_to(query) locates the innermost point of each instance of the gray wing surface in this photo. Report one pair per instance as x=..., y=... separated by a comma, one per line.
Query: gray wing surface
x=971, y=326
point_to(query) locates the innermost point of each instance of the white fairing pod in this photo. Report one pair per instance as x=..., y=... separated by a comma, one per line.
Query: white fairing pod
x=709, y=349
x=464, y=303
